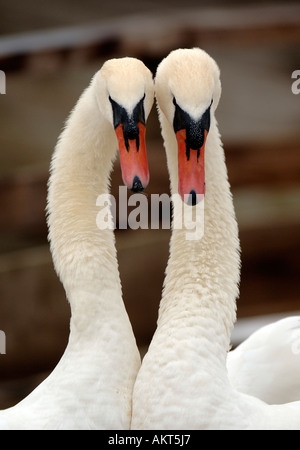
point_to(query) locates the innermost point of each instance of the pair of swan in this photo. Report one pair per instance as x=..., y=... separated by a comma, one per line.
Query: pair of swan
x=99, y=383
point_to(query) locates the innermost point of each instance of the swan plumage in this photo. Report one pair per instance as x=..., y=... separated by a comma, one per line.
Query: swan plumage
x=267, y=364
x=183, y=381
x=91, y=386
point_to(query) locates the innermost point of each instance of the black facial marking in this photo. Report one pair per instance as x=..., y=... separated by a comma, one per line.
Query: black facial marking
x=130, y=123
x=195, y=130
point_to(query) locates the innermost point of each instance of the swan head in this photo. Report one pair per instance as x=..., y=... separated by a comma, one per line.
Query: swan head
x=188, y=90
x=125, y=94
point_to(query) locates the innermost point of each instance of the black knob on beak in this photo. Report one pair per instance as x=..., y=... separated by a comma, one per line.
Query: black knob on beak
x=137, y=185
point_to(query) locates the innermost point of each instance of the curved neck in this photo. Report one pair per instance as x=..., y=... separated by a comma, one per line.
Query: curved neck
x=202, y=276
x=101, y=357
x=84, y=256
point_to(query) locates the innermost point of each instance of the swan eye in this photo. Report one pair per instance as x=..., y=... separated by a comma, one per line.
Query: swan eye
x=138, y=113
x=181, y=118
x=205, y=119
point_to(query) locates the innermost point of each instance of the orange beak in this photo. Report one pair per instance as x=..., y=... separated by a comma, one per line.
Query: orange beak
x=130, y=130
x=133, y=158
x=191, y=138
x=191, y=170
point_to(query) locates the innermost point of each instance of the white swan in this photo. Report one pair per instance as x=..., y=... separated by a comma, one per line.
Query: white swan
x=91, y=387
x=183, y=381
x=267, y=364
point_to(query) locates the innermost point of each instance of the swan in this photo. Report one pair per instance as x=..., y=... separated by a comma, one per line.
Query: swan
x=91, y=386
x=266, y=365
x=183, y=381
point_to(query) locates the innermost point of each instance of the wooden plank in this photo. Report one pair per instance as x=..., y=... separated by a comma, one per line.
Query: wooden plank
x=270, y=280
x=154, y=35
x=265, y=164
x=33, y=312
x=22, y=202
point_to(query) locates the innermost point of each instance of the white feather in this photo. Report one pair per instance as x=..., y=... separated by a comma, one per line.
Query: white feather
x=267, y=364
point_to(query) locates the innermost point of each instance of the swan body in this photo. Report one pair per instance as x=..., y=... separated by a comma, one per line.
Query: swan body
x=91, y=386
x=183, y=381
x=267, y=364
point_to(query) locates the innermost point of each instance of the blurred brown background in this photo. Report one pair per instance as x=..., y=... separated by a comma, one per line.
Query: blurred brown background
x=49, y=52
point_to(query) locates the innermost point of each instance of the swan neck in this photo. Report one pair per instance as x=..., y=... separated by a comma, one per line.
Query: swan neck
x=84, y=255
x=202, y=275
